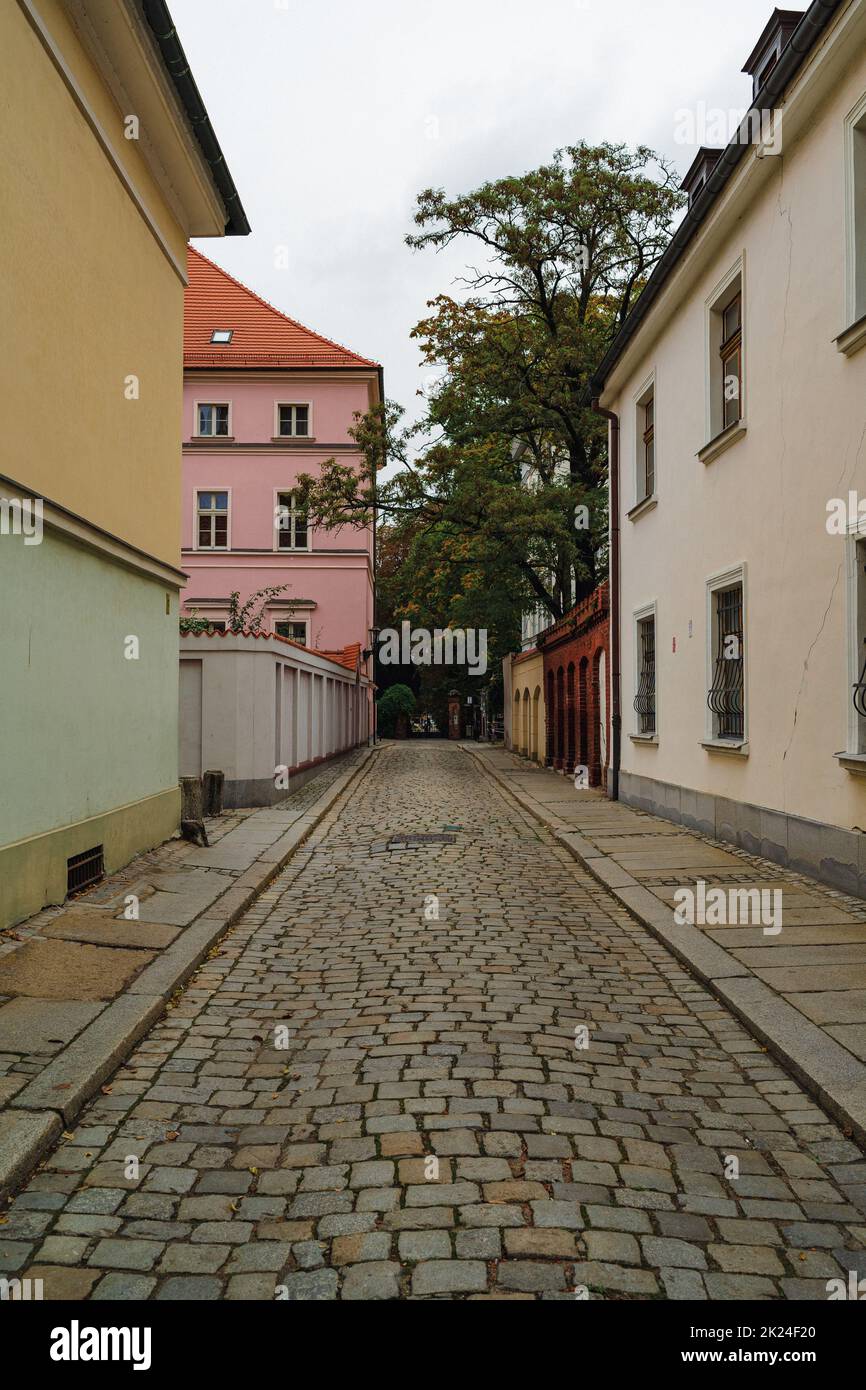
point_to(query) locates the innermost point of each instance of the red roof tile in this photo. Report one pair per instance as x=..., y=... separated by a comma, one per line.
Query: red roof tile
x=349, y=657
x=261, y=335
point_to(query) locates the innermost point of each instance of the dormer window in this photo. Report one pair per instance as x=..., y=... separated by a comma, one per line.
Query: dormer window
x=770, y=46
x=764, y=73
x=221, y=335
x=695, y=180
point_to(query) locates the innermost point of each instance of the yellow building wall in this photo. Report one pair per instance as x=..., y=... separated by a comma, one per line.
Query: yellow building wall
x=527, y=700
x=93, y=300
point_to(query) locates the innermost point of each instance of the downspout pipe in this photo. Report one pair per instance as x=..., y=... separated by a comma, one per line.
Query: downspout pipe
x=615, y=702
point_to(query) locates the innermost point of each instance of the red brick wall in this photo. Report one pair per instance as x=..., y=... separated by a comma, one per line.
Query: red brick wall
x=572, y=649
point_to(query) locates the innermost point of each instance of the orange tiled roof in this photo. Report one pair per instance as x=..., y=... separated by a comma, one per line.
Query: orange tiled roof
x=348, y=657
x=261, y=335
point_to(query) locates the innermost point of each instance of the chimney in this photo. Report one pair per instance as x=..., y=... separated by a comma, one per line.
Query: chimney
x=768, y=50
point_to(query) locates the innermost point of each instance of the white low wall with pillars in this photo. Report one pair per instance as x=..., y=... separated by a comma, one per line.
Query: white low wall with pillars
x=264, y=710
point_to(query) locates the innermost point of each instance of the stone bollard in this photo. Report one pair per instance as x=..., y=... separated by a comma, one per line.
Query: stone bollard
x=213, y=793
x=191, y=814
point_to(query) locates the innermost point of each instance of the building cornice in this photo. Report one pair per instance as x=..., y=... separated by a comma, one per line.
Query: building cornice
x=213, y=445
x=111, y=547
x=135, y=48
x=230, y=370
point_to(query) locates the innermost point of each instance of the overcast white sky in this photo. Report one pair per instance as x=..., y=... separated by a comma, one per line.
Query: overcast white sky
x=333, y=114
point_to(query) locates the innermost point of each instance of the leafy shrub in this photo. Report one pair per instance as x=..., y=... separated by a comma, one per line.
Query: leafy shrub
x=394, y=708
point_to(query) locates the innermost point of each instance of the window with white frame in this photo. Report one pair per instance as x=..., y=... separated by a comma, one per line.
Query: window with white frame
x=726, y=357
x=726, y=696
x=731, y=354
x=212, y=520
x=296, y=632
x=645, y=695
x=291, y=528
x=855, y=174
x=212, y=420
x=293, y=421
x=646, y=445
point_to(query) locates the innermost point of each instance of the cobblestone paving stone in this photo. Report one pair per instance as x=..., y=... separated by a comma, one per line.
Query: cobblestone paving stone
x=17, y=1068
x=431, y=1129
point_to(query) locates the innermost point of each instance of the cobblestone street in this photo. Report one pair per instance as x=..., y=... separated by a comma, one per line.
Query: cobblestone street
x=428, y=1125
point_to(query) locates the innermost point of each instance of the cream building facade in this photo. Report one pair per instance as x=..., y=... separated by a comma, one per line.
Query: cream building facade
x=738, y=388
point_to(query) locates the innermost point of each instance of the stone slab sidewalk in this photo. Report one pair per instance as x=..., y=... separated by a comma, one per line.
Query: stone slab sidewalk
x=82, y=983
x=801, y=991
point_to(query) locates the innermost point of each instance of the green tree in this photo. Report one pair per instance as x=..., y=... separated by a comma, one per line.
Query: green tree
x=250, y=616
x=436, y=579
x=507, y=469
x=394, y=709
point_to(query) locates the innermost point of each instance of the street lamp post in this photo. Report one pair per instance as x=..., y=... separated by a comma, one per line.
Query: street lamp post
x=373, y=637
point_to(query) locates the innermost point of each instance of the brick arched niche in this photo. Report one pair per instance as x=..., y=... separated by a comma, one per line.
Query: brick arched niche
x=583, y=713
x=536, y=706
x=516, y=722
x=570, y=718
x=576, y=688
x=559, y=731
x=549, y=718
x=598, y=720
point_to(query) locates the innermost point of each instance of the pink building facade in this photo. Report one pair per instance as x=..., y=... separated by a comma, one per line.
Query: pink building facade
x=266, y=400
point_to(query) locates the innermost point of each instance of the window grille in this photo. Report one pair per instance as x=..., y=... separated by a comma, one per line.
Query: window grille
x=84, y=869
x=645, y=699
x=726, y=695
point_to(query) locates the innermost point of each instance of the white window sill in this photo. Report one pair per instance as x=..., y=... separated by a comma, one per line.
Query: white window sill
x=733, y=747
x=651, y=739
x=853, y=762
x=646, y=504
x=293, y=439
x=722, y=442
x=212, y=439
x=853, y=338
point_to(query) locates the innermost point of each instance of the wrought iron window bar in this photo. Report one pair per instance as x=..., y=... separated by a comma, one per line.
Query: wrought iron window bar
x=645, y=699
x=725, y=697
x=860, y=690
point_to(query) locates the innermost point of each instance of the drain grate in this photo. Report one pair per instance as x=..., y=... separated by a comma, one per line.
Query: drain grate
x=84, y=869
x=408, y=841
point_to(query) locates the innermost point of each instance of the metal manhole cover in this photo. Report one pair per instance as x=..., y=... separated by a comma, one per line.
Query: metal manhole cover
x=404, y=841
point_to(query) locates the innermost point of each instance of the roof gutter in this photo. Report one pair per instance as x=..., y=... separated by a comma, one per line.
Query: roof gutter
x=804, y=38
x=161, y=24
